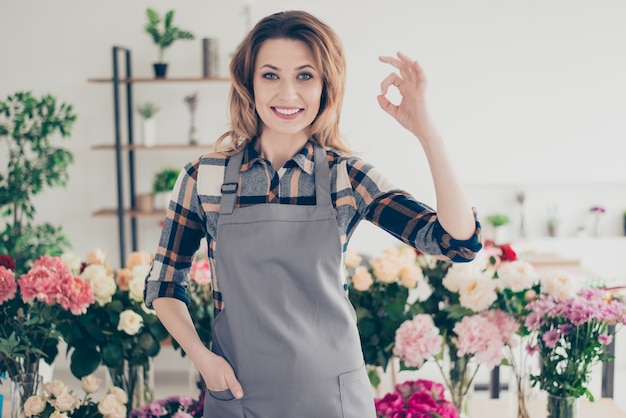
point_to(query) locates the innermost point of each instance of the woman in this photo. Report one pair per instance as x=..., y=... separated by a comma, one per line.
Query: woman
x=277, y=204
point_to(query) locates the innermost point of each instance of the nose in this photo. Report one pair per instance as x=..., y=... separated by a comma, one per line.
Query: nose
x=288, y=89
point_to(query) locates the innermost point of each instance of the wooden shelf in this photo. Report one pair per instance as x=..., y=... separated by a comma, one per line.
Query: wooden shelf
x=138, y=147
x=129, y=213
x=159, y=80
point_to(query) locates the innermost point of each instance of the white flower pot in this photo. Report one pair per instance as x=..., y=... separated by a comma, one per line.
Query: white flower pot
x=148, y=132
x=162, y=200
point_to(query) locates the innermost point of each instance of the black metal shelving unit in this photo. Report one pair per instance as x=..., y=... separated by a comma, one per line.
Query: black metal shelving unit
x=122, y=82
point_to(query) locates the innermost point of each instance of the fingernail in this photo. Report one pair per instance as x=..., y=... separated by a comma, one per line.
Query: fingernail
x=238, y=394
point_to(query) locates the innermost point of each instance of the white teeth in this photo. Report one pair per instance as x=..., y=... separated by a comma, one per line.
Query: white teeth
x=287, y=111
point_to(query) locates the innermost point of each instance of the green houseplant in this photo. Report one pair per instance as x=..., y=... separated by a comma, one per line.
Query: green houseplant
x=163, y=37
x=498, y=222
x=27, y=126
x=147, y=111
x=162, y=186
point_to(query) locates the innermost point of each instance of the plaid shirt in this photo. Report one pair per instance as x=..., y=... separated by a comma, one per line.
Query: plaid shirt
x=358, y=191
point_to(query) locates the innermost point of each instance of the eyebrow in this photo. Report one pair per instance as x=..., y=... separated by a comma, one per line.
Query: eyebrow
x=302, y=67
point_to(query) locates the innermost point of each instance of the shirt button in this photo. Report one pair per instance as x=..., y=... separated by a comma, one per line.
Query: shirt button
x=345, y=286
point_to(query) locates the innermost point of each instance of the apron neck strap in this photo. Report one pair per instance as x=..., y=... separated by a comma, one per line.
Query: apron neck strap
x=231, y=180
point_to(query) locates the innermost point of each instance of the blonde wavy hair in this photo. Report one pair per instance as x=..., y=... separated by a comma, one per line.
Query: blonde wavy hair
x=327, y=49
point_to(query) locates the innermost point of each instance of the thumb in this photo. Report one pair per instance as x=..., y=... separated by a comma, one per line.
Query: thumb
x=233, y=385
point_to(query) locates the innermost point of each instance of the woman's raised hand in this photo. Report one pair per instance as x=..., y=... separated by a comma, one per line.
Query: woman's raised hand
x=410, y=81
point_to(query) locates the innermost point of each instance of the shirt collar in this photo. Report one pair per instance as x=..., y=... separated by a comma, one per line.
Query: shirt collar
x=303, y=159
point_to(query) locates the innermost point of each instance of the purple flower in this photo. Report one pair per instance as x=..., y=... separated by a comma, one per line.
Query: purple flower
x=605, y=339
x=551, y=338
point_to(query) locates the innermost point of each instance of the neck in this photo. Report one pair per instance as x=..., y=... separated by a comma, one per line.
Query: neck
x=279, y=150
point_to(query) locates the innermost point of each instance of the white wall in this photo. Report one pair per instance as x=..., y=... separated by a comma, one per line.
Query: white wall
x=530, y=95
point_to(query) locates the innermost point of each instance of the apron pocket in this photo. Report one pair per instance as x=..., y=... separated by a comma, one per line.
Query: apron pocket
x=222, y=404
x=357, y=396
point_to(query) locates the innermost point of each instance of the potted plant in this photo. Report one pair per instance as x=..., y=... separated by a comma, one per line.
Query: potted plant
x=27, y=125
x=163, y=185
x=163, y=38
x=148, y=133
x=498, y=222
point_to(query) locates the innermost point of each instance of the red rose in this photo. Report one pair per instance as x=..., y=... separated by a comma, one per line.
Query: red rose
x=7, y=262
x=507, y=253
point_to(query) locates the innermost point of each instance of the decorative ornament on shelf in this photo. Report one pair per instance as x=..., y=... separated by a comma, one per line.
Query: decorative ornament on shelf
x=597, y=213
x=192, y=105
x=554, y=220
x=148, y=128
x=163, y=38
x=520, y=197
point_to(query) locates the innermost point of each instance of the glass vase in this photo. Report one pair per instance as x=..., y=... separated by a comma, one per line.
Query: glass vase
x=135, y=380
x=23, y=387
x=562, y=406
x=521, y=390
x=460, y=374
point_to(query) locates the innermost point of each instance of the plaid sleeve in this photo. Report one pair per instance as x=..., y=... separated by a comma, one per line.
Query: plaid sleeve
x=406, y=218
x=182, y=232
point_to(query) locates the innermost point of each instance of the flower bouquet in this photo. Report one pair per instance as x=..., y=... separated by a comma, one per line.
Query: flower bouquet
x=59, y=401
x=416, y=399
x=178, y=406
x=32, y=308
x=457, y=327
x=117, y=331
x=379, y=292
x=570, y=334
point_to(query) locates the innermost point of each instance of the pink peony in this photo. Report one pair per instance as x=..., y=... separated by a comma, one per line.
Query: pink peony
x=76, y=295
x=201, y=272
x=8, y=286
x=416, y=340
x=421, y=402
x=389, y=403
x=39, y=283
x=55, y=264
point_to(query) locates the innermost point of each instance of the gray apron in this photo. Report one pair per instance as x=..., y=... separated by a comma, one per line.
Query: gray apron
x=288, y=328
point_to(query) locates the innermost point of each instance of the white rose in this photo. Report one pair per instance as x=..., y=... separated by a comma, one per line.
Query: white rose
x=119, y=394
x=65, y=402
x=136, y=286
x=460, y=273
x=73, y=262
x=362, y=279
x=57, y=414
x=410, y=275
x=478, y=293
x=353, y=259
x=130, y=322
x=55, y=388
x=95, y=256
x=560, y=284
x=111, y=407
x=517, y=275
x=91, y=383
x=102, y=284
x=34, y=405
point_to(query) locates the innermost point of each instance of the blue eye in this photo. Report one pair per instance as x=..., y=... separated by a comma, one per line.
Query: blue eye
x=270, y=76
x=305, y=76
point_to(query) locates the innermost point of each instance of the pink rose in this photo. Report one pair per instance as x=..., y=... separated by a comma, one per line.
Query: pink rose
x=421, y=402
x=8, y=285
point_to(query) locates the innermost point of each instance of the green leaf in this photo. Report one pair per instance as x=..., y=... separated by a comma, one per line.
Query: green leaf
x=84, y=361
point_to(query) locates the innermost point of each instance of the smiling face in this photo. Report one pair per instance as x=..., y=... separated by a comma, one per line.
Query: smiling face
x=287, y=88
